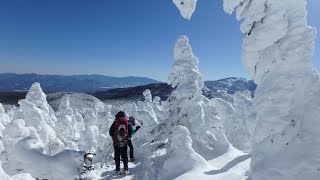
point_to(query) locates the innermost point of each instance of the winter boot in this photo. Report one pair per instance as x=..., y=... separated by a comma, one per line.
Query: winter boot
x=126, y=172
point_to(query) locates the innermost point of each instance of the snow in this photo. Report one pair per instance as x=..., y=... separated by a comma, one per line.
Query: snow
x=168, y=139
x=181, y=153
x=188, y=107
x=21, y=176
x=37, y=118
x=271, y=136
x=186, y=7
x=233, y=165
x=175, y=140
x=277, y=50
x=234, y=121
x=50, y=144
x=26, y=158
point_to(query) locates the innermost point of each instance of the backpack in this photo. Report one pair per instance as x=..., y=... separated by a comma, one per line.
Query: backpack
x=121, y=135
x=111, y=129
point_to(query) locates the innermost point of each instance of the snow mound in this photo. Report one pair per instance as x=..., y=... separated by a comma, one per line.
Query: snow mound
x=181, y=153
x=25, y=157
x=22, y=176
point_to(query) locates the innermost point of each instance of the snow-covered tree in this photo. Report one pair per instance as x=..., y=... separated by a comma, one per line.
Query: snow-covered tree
x=277, y=50
x=144, y=113
x=146, y=107
x=246, y=114
x=4, y=120
x=186, y=7
x=37, y=113
x=89, y=137
x=14, y=132
x=4, y=117
x=158, y=108
x=188, y=107
x=37, y=97
x=67, y=127
x=105, y=119
x=234, y=118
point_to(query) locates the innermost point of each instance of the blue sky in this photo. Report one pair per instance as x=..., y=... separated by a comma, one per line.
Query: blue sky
x=120, y=37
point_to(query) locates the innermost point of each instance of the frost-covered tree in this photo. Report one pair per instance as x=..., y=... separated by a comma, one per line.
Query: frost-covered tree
x=10, y=134
x=144, y=113
x=14, y=132
x=188, y=107
x=146, y=107
x=80, y=121
x=277, y=50
x=4, y=117
x=246, y=114
x=67, y=127
x=186, y=7
x=90, y=135
x=4, y=120
x=36, y=112
x=37, y=97
x=158, y=108
x=234, y=117
x=105, y=119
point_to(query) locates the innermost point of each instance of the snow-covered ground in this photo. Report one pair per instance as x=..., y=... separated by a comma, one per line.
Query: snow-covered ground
x=233, y=165
x=182, y=137
x=271, y=136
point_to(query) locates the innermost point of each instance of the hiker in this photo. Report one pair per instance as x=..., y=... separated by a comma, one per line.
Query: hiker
x=119, y=133
x=132, y=123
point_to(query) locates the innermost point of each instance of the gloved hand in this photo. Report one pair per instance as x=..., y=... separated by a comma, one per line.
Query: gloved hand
x=138, y=127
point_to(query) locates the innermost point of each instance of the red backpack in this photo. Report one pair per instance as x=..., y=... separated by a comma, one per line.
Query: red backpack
x=121, y=131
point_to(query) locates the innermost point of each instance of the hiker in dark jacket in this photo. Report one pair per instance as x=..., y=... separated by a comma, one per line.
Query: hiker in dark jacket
x=119, y=133
x=132, y=129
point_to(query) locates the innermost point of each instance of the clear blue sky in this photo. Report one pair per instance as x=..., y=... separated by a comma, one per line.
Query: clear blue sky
x=120, y=37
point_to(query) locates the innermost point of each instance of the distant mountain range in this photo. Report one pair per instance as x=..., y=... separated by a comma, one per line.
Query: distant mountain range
x=75, y=83
x=57, y=86
x=222, y=88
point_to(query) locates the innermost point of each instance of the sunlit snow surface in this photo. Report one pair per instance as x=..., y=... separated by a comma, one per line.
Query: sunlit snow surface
x=188, y=136
x=182, y=136
x=233, y=165
x=277, y=50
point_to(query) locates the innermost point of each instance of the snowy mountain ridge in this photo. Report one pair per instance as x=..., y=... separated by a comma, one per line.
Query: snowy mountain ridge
x=73, y=83
x=213, y=89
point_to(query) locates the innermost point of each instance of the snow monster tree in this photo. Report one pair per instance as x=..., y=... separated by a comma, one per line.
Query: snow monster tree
x=187, y=106
x=277, y=50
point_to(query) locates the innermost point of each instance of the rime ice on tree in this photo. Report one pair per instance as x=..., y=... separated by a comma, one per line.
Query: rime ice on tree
x=277, y=50
x=188, y=107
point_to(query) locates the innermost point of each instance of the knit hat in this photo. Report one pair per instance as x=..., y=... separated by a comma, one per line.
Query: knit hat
x=131, y=119
x=120, y=114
